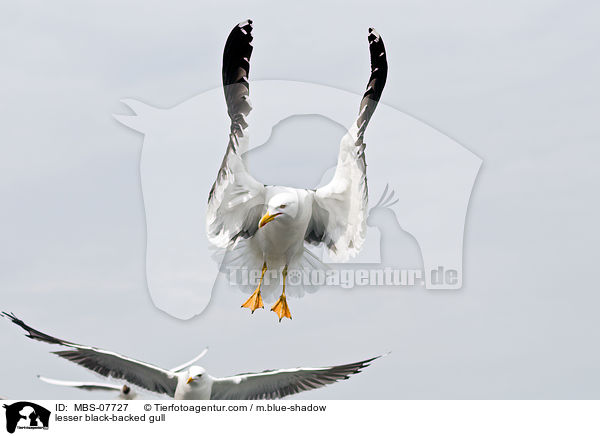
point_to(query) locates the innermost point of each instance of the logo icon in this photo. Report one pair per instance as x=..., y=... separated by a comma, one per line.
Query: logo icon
x=26, y=415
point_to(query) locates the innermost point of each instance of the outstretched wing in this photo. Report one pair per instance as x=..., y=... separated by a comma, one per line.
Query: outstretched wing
x=87, y=386
x=269, y=385
x=340, y=207
x=107, y=363
x=236, y=199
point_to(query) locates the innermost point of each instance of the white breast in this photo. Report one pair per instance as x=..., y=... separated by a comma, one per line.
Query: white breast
x=198, y=390
x=281, y=240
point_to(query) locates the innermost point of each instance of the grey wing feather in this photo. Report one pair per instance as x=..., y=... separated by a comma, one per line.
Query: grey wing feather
x=316, y=232
x=274, y=384
x=107, y=363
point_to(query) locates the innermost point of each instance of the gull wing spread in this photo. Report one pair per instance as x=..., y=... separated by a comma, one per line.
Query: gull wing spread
x=236, y=199
x=88, y=386
x=107, y=363
x=279, y=383
x=340, y=207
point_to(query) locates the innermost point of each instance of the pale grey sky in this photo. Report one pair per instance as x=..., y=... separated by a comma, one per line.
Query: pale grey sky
x=514, y=82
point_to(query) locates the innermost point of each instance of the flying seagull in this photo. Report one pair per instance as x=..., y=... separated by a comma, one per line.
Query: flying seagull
x=194, y=383
x=269, y=225
x=125, y=391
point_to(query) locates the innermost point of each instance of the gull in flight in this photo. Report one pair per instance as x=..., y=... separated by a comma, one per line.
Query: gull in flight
x=125, y=391
x=194, y=383
x=268, y=226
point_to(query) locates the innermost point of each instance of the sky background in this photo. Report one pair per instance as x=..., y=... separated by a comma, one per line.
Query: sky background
x=514, y=82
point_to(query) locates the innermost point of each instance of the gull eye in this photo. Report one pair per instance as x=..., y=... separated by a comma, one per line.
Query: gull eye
x=282, y=206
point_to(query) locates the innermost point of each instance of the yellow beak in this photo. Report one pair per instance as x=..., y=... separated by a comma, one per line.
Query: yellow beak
x=267, y=218
x=189, y=380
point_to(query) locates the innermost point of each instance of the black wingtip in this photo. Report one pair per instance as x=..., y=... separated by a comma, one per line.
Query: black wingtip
x=373, y=35
x=235, y=72
x=32, y=333
x=372, y=359
x=246, y=26
x=12, y=317
x=375, y=85
x=7, y=315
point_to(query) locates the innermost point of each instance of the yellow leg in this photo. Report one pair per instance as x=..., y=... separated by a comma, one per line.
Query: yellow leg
x=255, y=300
x=281, y=307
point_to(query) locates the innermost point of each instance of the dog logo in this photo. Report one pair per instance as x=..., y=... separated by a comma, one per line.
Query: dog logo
x=26, y=415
